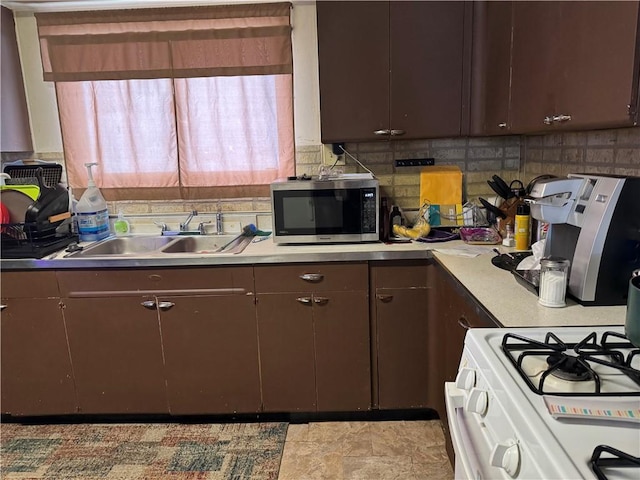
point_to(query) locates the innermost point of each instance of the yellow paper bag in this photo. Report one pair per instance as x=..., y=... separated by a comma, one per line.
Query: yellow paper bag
x=441, y=185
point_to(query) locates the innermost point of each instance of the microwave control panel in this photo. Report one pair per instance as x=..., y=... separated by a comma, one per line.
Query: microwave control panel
x=369, y=210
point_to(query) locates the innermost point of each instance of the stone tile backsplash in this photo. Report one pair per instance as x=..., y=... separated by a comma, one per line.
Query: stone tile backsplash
x=614, y=151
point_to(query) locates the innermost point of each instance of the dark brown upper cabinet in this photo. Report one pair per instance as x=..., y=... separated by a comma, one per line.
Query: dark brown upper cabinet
x=491, y=68
x=393, y=70
x=575, y=65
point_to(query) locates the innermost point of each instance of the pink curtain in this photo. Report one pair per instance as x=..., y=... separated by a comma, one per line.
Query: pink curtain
x=174, y=103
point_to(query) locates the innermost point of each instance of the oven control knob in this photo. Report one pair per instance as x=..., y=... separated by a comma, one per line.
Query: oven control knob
x=466, y=378
x=507, y=457
x=477, y=401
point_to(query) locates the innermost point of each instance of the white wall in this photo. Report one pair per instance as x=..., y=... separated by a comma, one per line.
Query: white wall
x=41, y=99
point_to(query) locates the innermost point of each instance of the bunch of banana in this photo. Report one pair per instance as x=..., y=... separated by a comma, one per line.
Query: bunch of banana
x=420, y=229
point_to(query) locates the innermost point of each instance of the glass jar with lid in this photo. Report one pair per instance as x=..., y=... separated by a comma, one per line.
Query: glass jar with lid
x=554, y=274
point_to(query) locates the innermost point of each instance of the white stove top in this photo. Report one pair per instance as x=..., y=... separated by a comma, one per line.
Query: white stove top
x=557, y=445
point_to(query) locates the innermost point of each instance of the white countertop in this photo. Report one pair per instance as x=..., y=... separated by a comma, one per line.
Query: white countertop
x=509, y=302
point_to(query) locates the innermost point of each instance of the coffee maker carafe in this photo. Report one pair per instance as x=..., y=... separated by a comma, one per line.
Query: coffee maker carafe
x=595, y=223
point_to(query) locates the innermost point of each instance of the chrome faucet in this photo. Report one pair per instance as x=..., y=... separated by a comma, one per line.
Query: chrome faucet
x=219, y=225
x=184, y=226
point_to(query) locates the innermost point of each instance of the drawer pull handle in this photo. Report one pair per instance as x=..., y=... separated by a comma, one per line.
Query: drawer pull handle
x=382, y=132
x=304, y=300
x=464, y=323
x=150, y=304
x=561, y=118
x=2, y=307
x=311, y=277
x=321, y=300
x=397, y=133
x=165, y=305
x=155, y=277
x=384, y=297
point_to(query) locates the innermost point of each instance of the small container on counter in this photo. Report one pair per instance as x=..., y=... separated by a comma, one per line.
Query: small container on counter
x=554, y=273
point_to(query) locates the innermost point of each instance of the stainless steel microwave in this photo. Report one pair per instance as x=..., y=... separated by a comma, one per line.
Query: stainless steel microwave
x=335, y=210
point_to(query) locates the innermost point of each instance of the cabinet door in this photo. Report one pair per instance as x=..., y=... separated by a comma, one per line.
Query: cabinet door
x=36, y=369
x=574, y=65
x=403, y=353
x=596, y=54
x=427, y=63
x=353, y=54
x=210, y=346
x=285, y=330
x=117, y=354
x=341, y=332
x=491, y=68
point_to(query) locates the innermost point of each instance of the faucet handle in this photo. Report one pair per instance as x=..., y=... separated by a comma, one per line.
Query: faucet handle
x=163, y=226
x=201, y=228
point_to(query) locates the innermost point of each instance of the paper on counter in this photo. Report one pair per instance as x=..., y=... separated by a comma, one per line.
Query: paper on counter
x=469, y=251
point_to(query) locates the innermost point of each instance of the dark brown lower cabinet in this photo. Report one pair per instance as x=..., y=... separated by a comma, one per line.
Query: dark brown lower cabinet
x=117, y=355
x=314, y=351
x=400, y=312
x=36, y=377
x=456, y=311
x=210, y=346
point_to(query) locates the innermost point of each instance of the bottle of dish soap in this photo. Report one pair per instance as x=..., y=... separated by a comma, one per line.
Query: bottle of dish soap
x=91, y=211
x=121, y=225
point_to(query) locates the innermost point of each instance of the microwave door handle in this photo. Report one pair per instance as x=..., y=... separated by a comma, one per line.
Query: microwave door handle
x=312, y=211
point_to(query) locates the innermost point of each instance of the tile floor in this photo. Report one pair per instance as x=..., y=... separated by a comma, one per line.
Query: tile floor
x=379, y=450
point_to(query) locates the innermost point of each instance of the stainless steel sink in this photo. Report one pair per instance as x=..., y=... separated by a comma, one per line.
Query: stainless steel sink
x=208, y=244
x=126, y=246
x=161, y=245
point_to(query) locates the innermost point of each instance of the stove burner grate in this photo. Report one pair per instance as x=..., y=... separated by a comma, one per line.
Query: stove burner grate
x=618, y=459
x=572, y=368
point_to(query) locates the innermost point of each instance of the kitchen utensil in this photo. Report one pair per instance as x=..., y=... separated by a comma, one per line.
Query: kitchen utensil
x=480, y=235
x=494, y=186
x=503, y=186
x=32, y=191
x=508, y=261
x=17, y=203
x=492, y=209
x=632, y=323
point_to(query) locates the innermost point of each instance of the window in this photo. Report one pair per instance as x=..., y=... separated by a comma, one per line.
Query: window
x=177, y=103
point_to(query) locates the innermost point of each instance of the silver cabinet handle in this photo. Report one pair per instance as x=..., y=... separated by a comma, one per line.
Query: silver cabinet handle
x=320, y=300
x=397, y=133
x=150, y=304
x=165, y=305
x=464, y=323
x=502, y=125
x=384, y=297
x=548, y=120
x=561, y=118
x=382, y=132
x=2, y=307
x=311, y=277
x=304, y=300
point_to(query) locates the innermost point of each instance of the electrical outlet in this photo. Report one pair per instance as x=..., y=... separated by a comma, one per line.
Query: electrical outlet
x=329, y=158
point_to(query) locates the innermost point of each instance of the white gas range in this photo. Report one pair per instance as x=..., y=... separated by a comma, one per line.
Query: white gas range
x=532, y=404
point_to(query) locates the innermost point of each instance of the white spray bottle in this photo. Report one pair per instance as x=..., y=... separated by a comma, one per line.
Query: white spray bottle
x=91, y=212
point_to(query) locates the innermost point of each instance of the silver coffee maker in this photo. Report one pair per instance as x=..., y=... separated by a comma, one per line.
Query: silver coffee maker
x=594, y=222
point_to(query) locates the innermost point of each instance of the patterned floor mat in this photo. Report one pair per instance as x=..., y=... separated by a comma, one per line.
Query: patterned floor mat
x=236, y=451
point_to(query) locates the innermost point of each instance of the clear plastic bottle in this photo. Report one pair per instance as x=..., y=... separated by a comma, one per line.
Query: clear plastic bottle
x=121, y=225
x=91, y=212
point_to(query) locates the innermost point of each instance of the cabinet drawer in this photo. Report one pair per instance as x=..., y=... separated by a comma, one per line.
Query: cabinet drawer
x=29, y=284
x=179, y=281
x=400, y=274
x=312, y=277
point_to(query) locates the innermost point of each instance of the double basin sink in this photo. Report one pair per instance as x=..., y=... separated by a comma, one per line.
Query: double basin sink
x=160, y=245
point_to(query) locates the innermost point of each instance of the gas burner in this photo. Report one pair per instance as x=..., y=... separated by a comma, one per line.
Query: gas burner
x=568, y=368
x=617, y=459
x=553, y=367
